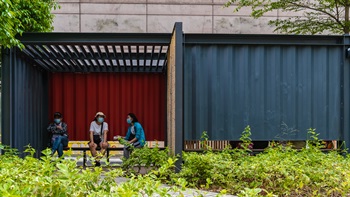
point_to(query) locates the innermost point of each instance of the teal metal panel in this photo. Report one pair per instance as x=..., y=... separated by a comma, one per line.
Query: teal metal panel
x=24, y=103
x=229, y=81
x=279, y=89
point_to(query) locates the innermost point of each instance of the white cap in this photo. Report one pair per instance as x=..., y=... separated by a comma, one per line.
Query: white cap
x=100, y=114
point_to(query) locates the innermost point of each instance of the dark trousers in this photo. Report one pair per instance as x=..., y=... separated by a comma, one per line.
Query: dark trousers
x=127, y=149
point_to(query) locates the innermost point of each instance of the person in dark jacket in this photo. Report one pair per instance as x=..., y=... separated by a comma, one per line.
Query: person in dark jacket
x=135, y=135
x=59, y=134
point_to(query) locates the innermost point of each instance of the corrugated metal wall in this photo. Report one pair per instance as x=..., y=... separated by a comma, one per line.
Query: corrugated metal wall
x=80, y=96
x=230, y=86
x=24, y=103
x=263, y=81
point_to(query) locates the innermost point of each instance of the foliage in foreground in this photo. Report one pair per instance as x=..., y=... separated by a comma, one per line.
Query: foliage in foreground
x=19, y=16
x=280, y=171
x=143, y=160
x=308, y=17
x=48, y=176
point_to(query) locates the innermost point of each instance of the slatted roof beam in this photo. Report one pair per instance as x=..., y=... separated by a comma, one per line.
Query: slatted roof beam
x=75, y=51
x=151, y=64
x=85, y=54
x=52, y=51
x=137, y=57
x=43, y=50
x=60, y=51
x=50, y=65
x=129, y=52
x=144, y=57
x=158, y=59
x=123, y=55
x=116, y=57
x=67, y=51
x=35, y=51
x=38, y=61
x=81, y=56
x=108, y=57
x=29, y=53
x=92, y=53
x=61, y=67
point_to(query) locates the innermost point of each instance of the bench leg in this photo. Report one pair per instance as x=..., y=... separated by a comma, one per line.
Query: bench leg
x=107, y=155
x=84, y=158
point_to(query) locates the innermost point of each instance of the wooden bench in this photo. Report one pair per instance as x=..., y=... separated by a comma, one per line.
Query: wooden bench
x=215, y=145
x=84, y=149
x=219, y=145
x=82, y=146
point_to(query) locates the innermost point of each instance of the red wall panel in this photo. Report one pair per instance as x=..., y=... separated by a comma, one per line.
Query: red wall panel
x=79, y=96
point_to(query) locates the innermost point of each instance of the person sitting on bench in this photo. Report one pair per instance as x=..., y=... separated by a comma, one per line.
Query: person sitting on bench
x=59, y=134
x=135, y=135
x=98, y=136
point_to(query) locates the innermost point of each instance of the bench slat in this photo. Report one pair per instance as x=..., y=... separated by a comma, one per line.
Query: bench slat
x=86, y=148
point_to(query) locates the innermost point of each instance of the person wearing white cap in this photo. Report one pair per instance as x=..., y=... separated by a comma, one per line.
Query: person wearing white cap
x=98, y=136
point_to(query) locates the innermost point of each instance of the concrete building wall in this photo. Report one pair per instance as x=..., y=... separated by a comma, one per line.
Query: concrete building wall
x=157, y=16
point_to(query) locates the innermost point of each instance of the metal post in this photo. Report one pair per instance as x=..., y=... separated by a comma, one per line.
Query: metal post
x=179, y=88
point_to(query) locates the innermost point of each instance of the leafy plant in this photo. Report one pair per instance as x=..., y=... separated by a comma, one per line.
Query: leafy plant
x=49, y=176
x=166, y=171
x=19, y=16
x=148, y=159
x=317, y=16
x=286, y=132
x=204, y=141
x=278, y=171
x=250, y=192
x=246, y=144
x=314, y=139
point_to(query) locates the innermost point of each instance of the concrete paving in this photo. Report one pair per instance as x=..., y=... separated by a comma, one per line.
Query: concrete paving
x=186, y=193
x=193, y=193
x=116, y=161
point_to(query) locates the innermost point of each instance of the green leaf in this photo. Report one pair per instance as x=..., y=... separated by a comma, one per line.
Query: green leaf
x=318, y=16
x=18, y=16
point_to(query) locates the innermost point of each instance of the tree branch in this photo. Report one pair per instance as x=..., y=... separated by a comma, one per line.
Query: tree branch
x=318, y=10
x=312, y=25
x=337, y=8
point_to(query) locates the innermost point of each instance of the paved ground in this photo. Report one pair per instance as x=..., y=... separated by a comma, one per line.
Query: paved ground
x=187, y=193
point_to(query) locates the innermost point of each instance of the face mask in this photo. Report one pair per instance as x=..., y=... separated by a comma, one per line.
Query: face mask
x=100, y=119
x=57, y=120
x=128, y=121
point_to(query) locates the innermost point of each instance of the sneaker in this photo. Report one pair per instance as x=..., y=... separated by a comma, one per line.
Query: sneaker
x=97, y=163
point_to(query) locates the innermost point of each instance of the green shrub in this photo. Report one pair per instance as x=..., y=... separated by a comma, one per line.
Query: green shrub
x=50, y=176
x=148, y=159
x=279, y=170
